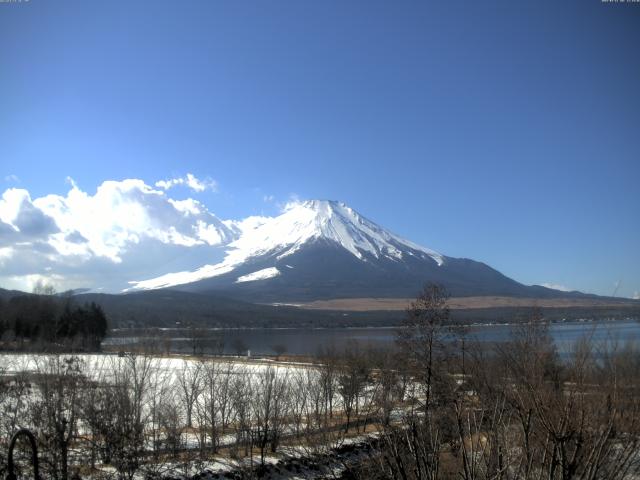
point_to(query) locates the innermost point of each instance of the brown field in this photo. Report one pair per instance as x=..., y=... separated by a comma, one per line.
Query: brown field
x=461, y=303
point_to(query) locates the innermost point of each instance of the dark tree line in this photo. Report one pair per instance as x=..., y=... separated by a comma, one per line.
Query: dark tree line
x=47, y=321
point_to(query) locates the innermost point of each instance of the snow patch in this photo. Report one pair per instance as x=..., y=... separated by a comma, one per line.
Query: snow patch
x=263, y=274
x=556, y=286
x=179, y=278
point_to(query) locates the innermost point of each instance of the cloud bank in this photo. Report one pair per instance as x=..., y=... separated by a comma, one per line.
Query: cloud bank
x=86, y=239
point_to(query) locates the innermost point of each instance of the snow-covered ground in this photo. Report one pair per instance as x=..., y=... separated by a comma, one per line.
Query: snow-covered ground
x=99, y=366
x=165, y=380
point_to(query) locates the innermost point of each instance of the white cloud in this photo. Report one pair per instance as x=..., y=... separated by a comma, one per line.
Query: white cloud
x=27, y=283
x=268, y=198
x=127, y=212
x=122, y=229
x=21, y=220
x=559, y=287
x=190, y=181
x=187, y=207
x=12, y=178
x=636, y=295
x=294, y=200
x=5, y=253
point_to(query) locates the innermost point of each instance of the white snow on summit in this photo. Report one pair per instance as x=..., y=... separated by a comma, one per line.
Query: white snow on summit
x=321, y=219
x=301, y=223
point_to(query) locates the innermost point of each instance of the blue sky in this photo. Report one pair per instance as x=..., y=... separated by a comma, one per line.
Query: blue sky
x=503, y=131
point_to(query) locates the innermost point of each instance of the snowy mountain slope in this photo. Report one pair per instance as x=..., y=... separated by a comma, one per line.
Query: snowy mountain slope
x=324, y=249
x=299, y=225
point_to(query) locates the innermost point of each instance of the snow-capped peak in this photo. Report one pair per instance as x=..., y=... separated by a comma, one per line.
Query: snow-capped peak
x=337, y=222
x=300, y=224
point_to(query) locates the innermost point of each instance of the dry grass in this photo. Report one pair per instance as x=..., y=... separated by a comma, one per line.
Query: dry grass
x=461, y=303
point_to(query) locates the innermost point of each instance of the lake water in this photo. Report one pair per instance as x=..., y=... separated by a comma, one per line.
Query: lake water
x=310, y=341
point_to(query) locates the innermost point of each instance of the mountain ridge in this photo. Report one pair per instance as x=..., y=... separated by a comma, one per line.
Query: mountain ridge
x=324, y=249
x=167, y=308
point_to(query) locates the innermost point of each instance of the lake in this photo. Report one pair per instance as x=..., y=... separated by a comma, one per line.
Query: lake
x=300, y=341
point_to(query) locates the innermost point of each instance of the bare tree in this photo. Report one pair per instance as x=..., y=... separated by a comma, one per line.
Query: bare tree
x=421, y=337
x=537, y=417
x=390, y=389
x=242, y=393
x=215, y=405
x=171, y=423
x=190, y=387
x=269, y=408
x=161, y=385
x=353, y=378
x=124, y=413
x=57, y=409
x=329, y=363
x=16, y=391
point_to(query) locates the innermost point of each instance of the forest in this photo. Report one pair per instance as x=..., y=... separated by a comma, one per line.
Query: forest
x=47, y=322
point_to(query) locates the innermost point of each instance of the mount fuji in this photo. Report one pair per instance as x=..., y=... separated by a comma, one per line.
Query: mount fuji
x=322, y=249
